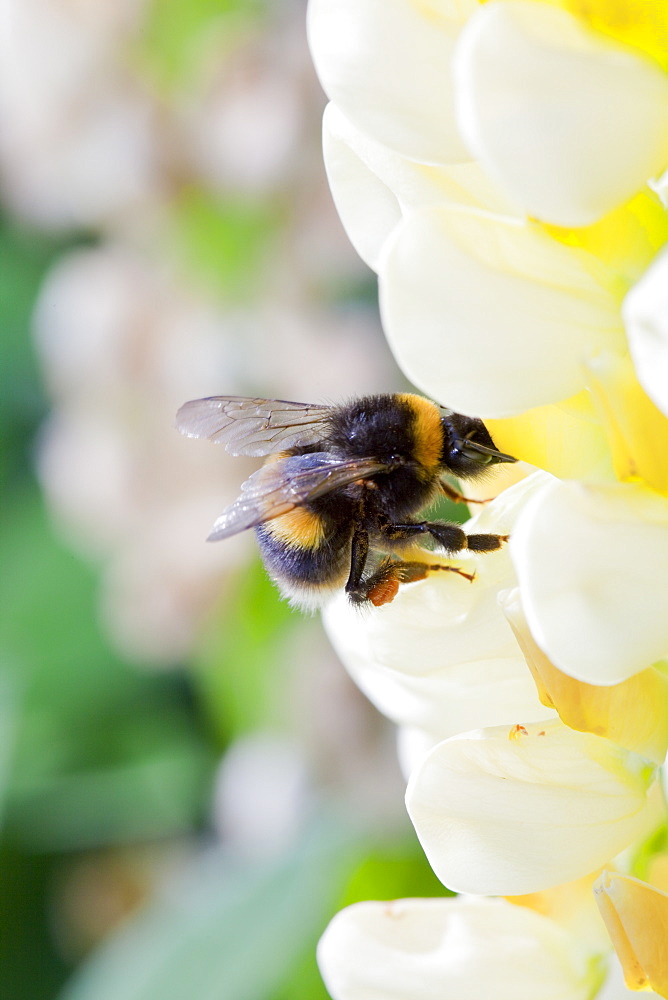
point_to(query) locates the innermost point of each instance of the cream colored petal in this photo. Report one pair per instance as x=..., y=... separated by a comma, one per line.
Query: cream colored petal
x=441, y=657
x=660, y=186
x=590, y=563
x=412, y=745
x=491, y=316
x=431, y=625
x=446, y=949
x=633, y=713
x=637, y=430
x=512, y=811
x=645, y=313
x=368, y=208
x=572, y=906
x=443, y=620
x=386, y=64
x=404, y=663
x=636, y=915
x=373, y=186
x=451, y=700
x=569, y=122
x=614, y=987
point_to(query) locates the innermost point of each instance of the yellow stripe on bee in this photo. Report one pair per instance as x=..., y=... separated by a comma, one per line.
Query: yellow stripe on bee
x=299, y=527
x=427, y=429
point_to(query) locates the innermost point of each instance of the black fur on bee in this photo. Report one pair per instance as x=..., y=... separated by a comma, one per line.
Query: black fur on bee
x=338, y=497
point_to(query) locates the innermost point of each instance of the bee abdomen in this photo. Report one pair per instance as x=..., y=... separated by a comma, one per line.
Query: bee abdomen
x=305, y=551
x=299, y=528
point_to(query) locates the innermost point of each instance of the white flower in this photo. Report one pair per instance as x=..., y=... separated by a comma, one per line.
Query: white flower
x=645, y=314
x=636, y=915
x=568, y=121
x=590, y=563
x=446, y=949
x=386, y=64
x=373, y=186
x=517, y=321
x=441, y=657
x=490, y=315
x=510, y=811
x=633, y=713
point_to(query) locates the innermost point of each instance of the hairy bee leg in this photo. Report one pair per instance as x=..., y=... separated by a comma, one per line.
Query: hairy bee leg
x=359, y=551
x=383, y=585
x=457, y=497
x=409, y=572
x=486, y=543
x=449, y=536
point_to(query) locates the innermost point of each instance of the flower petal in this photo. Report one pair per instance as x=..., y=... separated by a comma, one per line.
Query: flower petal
x=372, y=186
x=572, y=905
x=636, y=429
x=490, y=315
x=589, y=561
x=367, y=207
x=386, y=64
x=383, y=652
x=645, y=26
x=569, y=122
x=445, y=949
x=567, y=439
x=516, y=815
x=633, y=714
x=645, y=313
x=442, y=657
x=636, y=915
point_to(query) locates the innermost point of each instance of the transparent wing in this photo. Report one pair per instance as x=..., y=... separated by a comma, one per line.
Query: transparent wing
x=281, y=486
x=249, y=426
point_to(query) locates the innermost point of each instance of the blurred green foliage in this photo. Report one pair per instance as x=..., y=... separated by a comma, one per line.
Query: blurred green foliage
x=103, y=753
x=241, y=660
x=226, y=930
x=175, y=33
x=92, y=752
x=24, y=257
x=225, y=242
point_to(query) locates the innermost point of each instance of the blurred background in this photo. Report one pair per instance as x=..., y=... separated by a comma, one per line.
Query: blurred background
x=190, y=786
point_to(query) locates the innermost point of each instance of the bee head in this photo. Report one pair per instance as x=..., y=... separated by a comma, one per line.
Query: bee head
x=468, y=448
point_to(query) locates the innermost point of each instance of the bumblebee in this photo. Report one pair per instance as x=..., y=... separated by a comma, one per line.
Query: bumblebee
x=337, y=498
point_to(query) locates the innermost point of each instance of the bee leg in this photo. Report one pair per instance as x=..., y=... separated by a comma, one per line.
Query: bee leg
x=359, y=551
x=453, y=539
x=452, y=494
x=382, y=586
x=409, y=572
x=448, y=536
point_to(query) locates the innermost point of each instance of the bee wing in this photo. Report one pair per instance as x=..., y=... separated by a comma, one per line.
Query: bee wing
x=249, y=426
x=287, y=483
